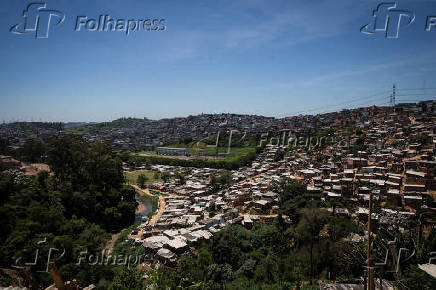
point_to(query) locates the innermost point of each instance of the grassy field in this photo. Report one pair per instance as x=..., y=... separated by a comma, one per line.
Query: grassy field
x=235, y=152
x=204, y=151
x=133, y=176
x=239, y=156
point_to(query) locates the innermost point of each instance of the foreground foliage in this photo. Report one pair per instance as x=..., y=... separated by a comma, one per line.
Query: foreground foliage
x=71, y=210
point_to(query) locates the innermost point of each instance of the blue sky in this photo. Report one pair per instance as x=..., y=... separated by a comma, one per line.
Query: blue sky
x=268, y=57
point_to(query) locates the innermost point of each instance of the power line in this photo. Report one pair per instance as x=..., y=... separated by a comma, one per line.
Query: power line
x=342, y=103
x=414, y=89
x=358, y=106
x=366, y=101
x=414, y=101
x=369, y=100
x=420, y=94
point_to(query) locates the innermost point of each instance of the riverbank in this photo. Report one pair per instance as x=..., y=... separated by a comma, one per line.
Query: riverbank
x=162, y=203
x=141, y=208
x=151, y=203
x=146, y=207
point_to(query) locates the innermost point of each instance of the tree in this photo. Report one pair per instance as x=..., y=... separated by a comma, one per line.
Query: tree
x=32, y=151
x=64, y=155
x=223, y=180
x=421, y=139
x=280, y=154
x=141, y=180
x=291, y=197
x=267, y=269
x=180, y=177
x=340, y=228
x=228, y=246
x=90, y=179
x=165, y=176
x=128, y=279
x=220, y=273
x=4, y=146
x=414, y=276
x=212, y=209
x=308, y=229
x=187, y=140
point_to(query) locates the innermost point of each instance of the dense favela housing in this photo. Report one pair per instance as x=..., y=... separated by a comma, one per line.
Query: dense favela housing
x=357, y=176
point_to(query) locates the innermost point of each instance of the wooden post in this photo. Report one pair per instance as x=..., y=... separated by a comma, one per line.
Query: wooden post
x=381, y=280
x=59, y=283
x=370, y=264
x=365, y=280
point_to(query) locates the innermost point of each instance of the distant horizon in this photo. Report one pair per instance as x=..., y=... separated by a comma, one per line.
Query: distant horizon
x=204, y=113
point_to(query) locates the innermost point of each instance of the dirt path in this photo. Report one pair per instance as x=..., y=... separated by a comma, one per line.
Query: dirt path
x=141, y=208
x=108, y=249
x=156, y=217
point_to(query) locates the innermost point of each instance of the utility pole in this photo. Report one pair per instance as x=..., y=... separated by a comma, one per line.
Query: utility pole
x=56, y=276
x=370, y=264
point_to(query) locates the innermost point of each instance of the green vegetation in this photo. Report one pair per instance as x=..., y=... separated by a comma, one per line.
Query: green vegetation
x=415, y=278
x=154, y=200
x=238, y=157
x=220, y=182
x=141, y=180
x=126, y=278
x=180, y=177
x=202, y=155
x=151, y=176
x=84, y=199
x=122, y=245
x=165, y=176
x=273, y=256
x=359, y=145
x=284, y=255
x=4, y=147
x=73, y=210
x=32, y=150
x=122, y=122
x=339, y=228
x=422, y=139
